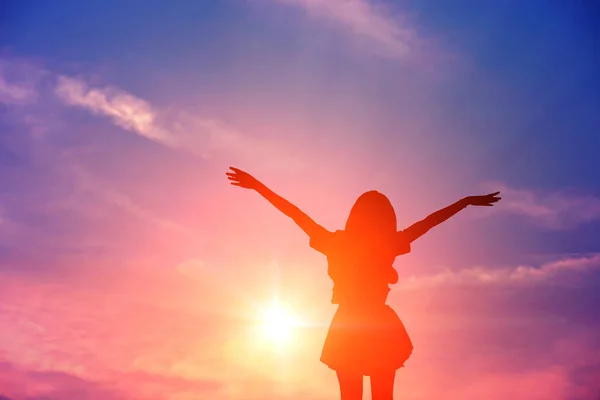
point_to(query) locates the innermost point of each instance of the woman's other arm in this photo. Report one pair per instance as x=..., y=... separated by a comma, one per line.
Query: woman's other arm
x=247, y=181
x=418, y=229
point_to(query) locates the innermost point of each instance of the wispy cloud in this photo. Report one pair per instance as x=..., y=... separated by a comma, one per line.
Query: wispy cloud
x=17, y=83
x=181, y=130
x=555, y=210
x=196, y=135
x=366, y=20
x=513, y=275
x=50, y=385
x=125, y=110
x=86, y=183
x=14, y=94
x=156, y=340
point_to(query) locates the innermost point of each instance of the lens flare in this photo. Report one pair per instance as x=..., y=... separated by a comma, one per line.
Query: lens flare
x=278, y=324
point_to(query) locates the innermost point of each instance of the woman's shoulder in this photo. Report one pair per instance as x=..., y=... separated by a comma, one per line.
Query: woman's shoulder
x=326, y=241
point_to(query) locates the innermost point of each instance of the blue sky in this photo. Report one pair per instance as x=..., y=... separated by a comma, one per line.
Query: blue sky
x=118, y=120
x=526, y=98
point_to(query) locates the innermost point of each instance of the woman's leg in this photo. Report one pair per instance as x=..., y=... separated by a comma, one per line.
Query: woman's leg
x=382, y=385
x=351, y=385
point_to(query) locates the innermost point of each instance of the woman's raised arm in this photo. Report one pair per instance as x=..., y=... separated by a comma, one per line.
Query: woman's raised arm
x=418, y=229
x=247, y=181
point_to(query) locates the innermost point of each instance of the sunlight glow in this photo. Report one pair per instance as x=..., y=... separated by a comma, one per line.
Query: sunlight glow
x=278, y=324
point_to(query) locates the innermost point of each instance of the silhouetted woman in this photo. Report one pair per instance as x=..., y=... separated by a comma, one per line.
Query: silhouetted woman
x=366, y=337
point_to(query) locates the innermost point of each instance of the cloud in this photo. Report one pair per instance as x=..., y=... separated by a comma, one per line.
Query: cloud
x=22, y=82
x=17, y=82
x=136, y=333
x=366, y=20
x=586, y=382
x=125, y=110
x=31, y=384
x=121, y=200
x=131, y=340
x=89, y=338
x=515, y=275
x=14, y=94
x=19, y=384
x=181, y=131
x=521, y=333
x=557, y=210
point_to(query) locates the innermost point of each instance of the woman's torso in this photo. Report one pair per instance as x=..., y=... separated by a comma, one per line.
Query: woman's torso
x=361, y=270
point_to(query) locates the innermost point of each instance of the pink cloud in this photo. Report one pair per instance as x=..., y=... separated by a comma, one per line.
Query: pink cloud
x=183, y=130
x=197, y=135
x=18, y=81
x=555, y=210
x=81, y=336
x=20, y=384
x=151, y=333
x=511, y=275
x=86, y=183
x=14, y=94
x=534, y=385
x=366, y=20
x=125, y=110
x=146, y=332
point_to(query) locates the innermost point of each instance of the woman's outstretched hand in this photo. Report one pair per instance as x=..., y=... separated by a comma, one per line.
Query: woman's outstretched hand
x=487, y=200
x=242, y=179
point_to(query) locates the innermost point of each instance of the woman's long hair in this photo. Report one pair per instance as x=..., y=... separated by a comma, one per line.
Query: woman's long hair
x=372, y=217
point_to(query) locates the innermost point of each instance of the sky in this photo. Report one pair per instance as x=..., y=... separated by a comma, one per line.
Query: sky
x=131, y=270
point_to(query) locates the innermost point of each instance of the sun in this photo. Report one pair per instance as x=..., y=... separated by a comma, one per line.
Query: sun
x=278, y=324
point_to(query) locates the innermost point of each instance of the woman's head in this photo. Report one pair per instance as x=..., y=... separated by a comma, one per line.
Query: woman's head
x=372, y=214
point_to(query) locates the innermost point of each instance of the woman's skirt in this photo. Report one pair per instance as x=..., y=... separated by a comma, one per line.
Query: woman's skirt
x=366, y=340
